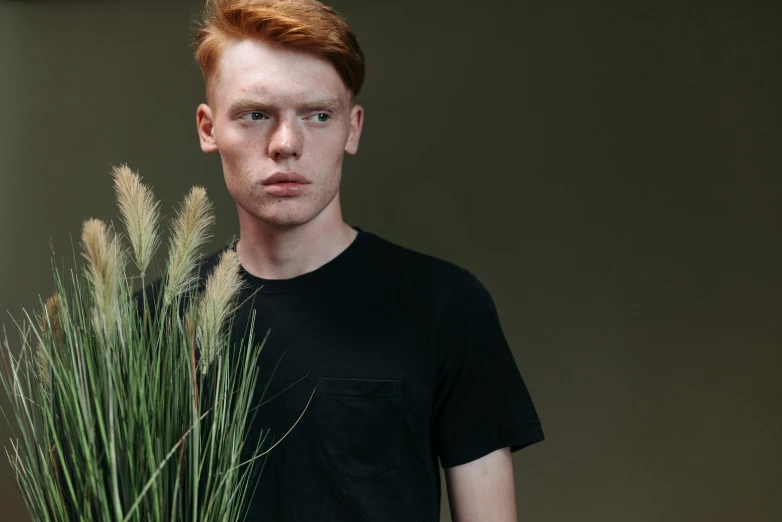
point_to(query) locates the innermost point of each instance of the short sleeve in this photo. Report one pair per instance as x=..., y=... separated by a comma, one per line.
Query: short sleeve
x=481, y=403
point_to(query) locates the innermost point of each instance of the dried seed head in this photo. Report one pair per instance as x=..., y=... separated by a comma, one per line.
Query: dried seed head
x=106, y=267
x=140, y=213
x=190, y=231
x=51, y=316
x=222, y=287
x=42, y=364
x=53, y=309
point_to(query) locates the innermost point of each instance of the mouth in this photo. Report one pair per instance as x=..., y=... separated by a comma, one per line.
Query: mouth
x=285, y=178
x=285, y=184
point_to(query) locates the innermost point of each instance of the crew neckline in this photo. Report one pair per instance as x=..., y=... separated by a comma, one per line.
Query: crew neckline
x=294, y=284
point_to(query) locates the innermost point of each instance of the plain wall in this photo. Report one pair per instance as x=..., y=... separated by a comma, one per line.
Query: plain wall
x=611, y=174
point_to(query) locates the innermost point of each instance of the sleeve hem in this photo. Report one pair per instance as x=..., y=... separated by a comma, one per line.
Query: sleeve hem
x=516, y=434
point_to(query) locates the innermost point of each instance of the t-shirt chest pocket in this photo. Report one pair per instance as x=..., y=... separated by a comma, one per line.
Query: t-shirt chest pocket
x=357, y=425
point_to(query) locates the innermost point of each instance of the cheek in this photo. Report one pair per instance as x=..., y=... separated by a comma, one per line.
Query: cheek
x=239, y=159
x=333, y=148
x=235, y=143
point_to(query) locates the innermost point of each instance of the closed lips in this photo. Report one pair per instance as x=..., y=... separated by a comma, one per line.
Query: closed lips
x=285, y=178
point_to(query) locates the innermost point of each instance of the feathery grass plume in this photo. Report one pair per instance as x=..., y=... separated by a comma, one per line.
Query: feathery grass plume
x=106, y=267
x=136, y=433
x=52, y=311
x=43, y=366
x=140, y=213
x=222, y=286
x=190, y=232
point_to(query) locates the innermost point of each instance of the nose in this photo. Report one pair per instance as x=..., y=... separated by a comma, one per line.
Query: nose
x=285, y=140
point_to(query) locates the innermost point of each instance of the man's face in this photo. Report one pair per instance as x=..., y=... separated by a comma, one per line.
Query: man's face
x=273, y=110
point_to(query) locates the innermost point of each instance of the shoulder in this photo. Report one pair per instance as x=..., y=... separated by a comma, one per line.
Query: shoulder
x=424, y=272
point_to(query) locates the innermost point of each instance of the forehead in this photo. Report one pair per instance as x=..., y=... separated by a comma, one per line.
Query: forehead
x=249, y=67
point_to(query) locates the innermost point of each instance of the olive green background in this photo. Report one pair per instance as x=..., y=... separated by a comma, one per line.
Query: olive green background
x=611, y=174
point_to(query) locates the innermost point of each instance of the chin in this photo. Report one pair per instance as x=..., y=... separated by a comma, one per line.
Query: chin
x=285, y=221
x=285, y=218
x=285, y=213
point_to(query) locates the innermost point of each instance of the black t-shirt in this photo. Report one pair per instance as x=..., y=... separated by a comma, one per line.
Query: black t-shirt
x=409, y=364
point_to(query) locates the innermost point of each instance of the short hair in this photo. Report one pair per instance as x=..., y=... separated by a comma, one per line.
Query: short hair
x=303, y=25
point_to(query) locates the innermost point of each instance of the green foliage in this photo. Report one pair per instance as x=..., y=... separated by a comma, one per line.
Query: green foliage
x=113, y=419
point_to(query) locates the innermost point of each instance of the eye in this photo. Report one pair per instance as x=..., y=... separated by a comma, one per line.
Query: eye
x=253, y=116
x=323, y=117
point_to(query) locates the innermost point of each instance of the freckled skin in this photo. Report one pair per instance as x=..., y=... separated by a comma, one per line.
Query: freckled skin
x=257, y=140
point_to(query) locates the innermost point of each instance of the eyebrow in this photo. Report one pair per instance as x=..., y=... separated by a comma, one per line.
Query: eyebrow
x=332, y=104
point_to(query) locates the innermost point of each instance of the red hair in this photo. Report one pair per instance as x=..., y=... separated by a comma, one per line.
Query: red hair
x=302, y=25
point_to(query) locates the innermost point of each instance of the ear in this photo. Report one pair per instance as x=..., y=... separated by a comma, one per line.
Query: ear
x=206, y=128
x=356, y=123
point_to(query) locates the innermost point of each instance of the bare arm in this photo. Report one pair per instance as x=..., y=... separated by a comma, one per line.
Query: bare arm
x=483, y=490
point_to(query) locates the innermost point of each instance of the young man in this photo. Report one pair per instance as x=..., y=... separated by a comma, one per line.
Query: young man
x=404, y=351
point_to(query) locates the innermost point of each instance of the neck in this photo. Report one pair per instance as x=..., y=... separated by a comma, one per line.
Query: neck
x=271, y=251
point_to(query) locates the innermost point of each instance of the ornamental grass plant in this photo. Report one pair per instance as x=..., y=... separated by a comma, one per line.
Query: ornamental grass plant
x=121, y=415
